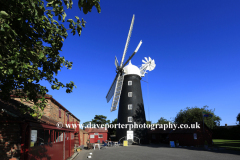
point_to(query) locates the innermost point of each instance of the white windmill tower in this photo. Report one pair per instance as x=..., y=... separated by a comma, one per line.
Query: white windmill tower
x=126, y=87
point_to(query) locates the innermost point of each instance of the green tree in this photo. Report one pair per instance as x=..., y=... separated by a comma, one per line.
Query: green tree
x=148, y=122
x=112, y=131
x=162, y=121
x=195, y=114
x=114, y=121
x=238, y=118
x=85, y=124
x=100, y=119
x=31, y=37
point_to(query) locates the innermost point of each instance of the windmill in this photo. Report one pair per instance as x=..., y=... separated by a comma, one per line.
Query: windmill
x=126, y=87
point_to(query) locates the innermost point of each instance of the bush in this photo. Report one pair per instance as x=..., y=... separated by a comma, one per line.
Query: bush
x=205, y=143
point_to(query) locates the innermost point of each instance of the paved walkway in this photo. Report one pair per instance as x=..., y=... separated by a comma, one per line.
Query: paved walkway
x=156, y=152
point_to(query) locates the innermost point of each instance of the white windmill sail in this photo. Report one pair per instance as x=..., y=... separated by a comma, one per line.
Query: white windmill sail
x=116, y=62
x=112, y=88
x=149, y=65
x=117, y=93
x=119, y=68
x=116, y=87
x=140, y=43
x=128, y=40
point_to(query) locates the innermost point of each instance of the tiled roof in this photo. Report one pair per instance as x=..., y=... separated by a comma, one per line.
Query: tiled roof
x=191, y=130
x=159, y=130
x=47, y=96
x=11, y=109
x=179, y=130
x=95, y=130
x=81, y=130
x=184, y=131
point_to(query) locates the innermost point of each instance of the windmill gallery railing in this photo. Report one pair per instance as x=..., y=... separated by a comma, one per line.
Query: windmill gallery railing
x=133, y=139
x=122, y=139
x=137, y=138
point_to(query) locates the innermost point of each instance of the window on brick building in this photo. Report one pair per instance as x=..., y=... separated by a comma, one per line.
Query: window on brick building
x=61, y=136
x=60, y=114
x=37, y=137
x=67, y=118
x=58, y=136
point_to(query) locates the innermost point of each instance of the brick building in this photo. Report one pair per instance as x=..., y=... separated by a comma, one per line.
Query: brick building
x=96, y=134
x=159, y=135
x=84, y=136
x=25, y=137
x=192, y=137
x=185, y=137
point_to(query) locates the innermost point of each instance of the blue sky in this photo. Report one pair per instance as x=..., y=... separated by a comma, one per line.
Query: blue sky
x=195, y=45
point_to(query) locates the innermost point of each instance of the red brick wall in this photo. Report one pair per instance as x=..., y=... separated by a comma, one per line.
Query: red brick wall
x=83, y=137
x=93, y=140
x=52, y=111
x=10, y=133
x=186, y=139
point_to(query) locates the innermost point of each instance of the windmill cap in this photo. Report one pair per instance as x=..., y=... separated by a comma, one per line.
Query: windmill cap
x=131, y=69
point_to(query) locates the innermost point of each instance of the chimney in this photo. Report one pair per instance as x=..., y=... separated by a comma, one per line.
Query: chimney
x=226, y=125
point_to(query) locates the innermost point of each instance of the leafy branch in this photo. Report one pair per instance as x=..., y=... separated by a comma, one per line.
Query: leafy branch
x=31, y=38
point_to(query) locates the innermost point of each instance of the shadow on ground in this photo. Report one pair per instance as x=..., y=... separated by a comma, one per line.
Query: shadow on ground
x=210, y=149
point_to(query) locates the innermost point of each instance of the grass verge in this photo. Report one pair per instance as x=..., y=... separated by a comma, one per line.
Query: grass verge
x=228, y=144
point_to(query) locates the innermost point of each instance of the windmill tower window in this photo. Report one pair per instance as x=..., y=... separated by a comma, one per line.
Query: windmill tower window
x=129, y=94
x=129, y=83
x=129, y=106
x=129, y=119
